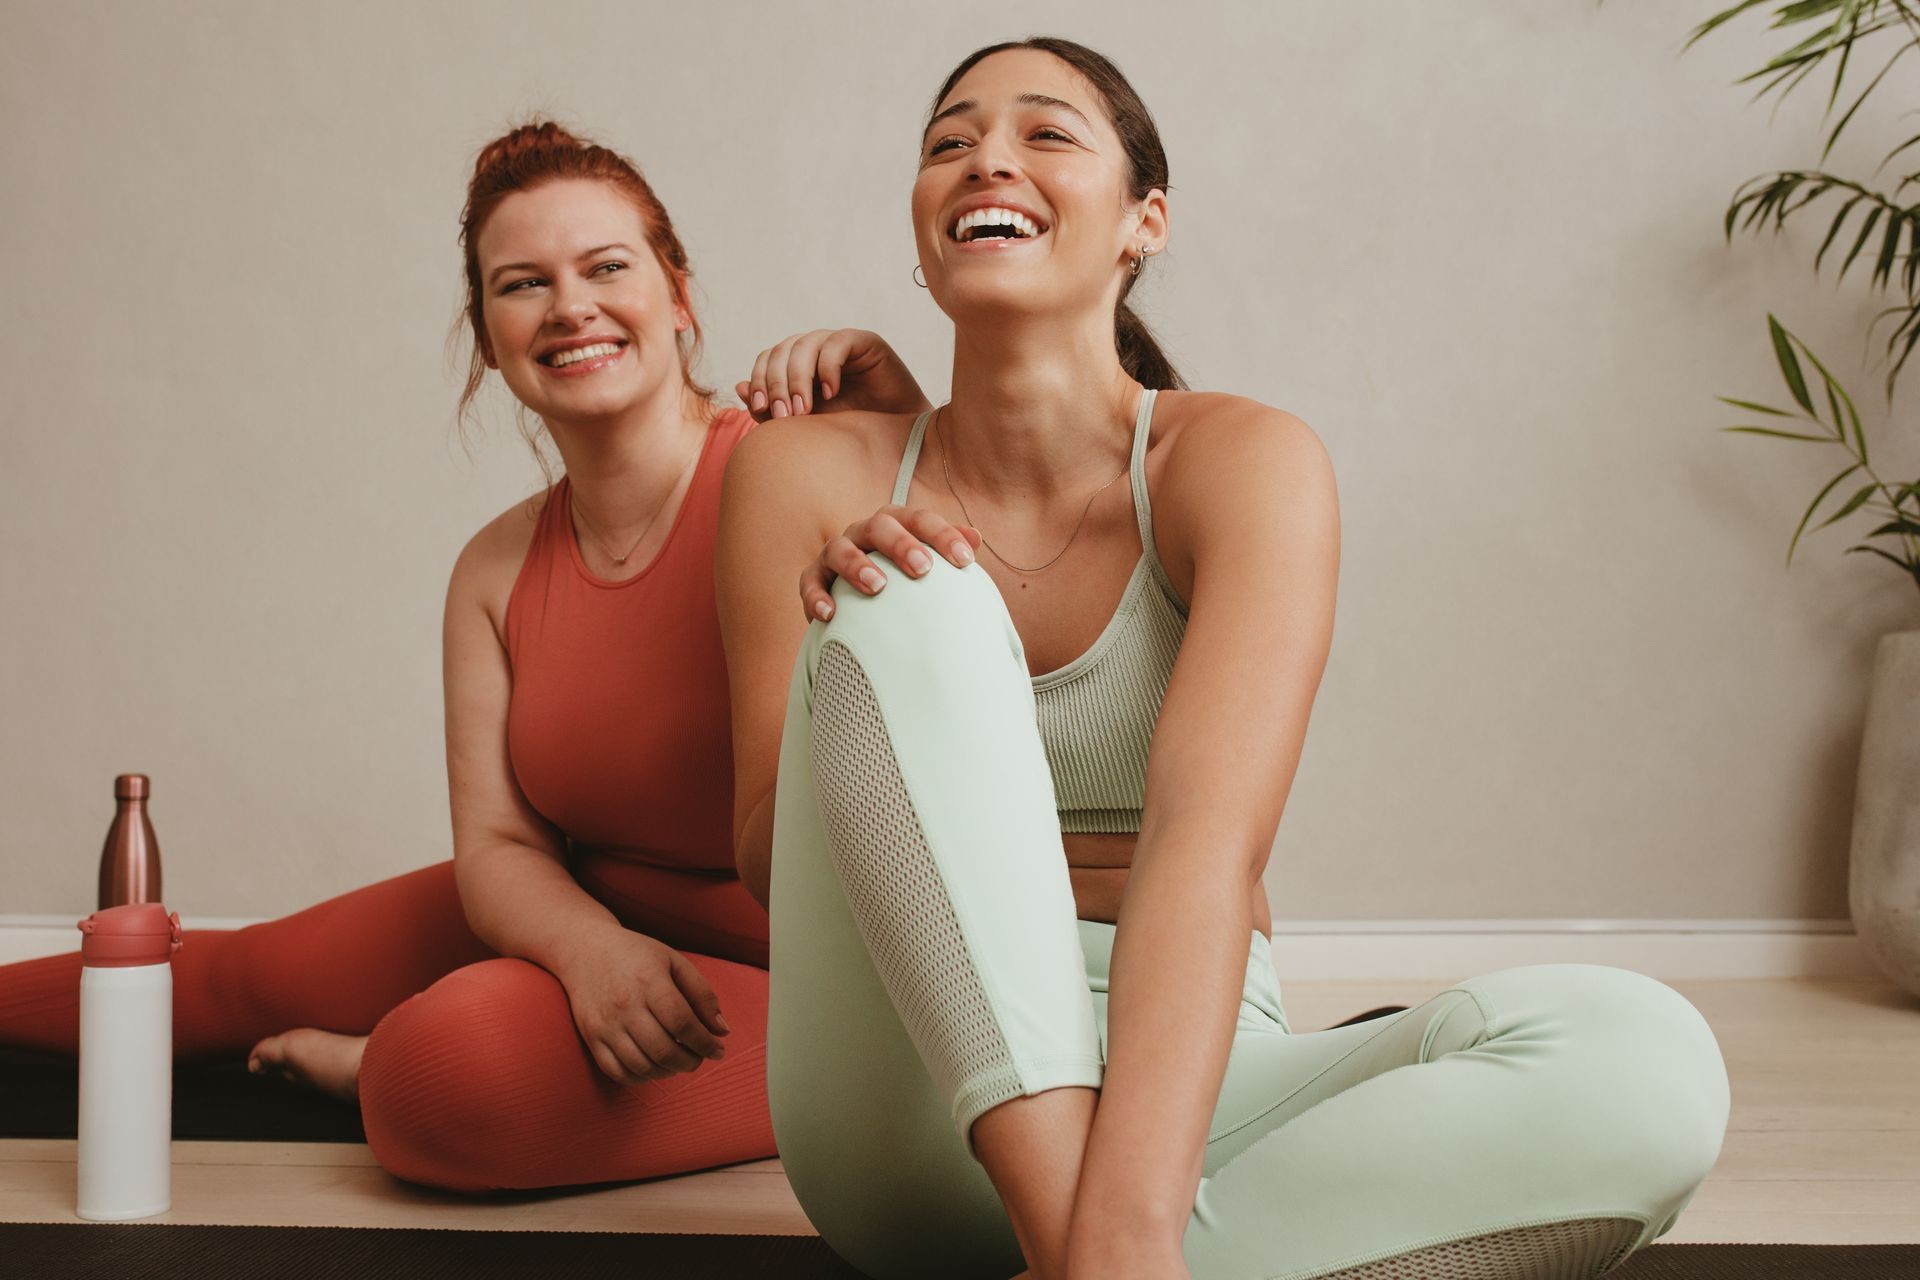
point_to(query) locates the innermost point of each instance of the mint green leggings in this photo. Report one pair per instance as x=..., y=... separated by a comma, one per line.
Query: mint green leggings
x=1543, y=1121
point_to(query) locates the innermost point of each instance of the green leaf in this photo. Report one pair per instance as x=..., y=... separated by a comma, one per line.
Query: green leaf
x=1851, y=505
x=1814, y=506
x=1756, y=408
x=1779, y=435
x=1889, y=245
x=1866, y=229
x=1912, y=567
x=1907, y=528
x=1789, y=366
x=1852, y=414
x=1871, y=86
x=1840, y=220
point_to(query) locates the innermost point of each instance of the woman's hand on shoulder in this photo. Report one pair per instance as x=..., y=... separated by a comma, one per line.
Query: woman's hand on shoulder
x=829, y=369
x=902, y=534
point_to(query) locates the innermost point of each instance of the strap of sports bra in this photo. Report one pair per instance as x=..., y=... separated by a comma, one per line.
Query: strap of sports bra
x=904, y=478
x=1142, y=427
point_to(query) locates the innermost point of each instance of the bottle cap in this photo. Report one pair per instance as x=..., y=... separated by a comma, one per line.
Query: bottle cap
x=135, y=934
x=131, y=786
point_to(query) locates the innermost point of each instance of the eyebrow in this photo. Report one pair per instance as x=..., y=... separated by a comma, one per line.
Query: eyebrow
x=534, y=266
x=1025, y=100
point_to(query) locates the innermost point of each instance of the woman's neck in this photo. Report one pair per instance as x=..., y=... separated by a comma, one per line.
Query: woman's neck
x=1039, y=409
x=623, y=468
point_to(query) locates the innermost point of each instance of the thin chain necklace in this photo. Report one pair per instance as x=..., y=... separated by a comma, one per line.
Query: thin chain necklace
x=671, y=490
x=948, y=473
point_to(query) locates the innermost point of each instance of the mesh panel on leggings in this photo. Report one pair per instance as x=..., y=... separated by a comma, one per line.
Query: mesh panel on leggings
x=896, y=893
x=1579, y=1249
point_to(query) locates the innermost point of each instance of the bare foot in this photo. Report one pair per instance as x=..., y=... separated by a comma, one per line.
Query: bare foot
x=323, y=1060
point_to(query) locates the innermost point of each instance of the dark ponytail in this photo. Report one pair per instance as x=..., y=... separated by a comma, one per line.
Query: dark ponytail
x=1139, y=354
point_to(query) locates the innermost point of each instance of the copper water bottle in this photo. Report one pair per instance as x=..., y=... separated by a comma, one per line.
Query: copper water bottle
x=130, y=862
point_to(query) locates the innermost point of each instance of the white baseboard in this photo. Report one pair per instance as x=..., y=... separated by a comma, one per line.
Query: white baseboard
x=1424, y=950
x=1448, y=950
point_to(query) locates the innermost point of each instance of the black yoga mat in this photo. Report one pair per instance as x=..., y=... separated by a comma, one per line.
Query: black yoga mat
x=212, y=1102
x=58, y=1251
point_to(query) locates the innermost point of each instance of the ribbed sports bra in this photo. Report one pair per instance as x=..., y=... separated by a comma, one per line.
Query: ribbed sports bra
x=1097, y=713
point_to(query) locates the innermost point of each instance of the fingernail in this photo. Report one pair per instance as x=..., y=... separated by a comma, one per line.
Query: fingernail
x=871, y=579
x=779, y=408
x=799, y=406
x=724, y=1028
x=822, y=610
x=759, y=401
x=962, y=552
x=721, y=1052
x=917, y=561
x=826, y=391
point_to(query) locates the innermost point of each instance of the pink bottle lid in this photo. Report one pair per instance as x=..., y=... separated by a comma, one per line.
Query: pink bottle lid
x=135, y=934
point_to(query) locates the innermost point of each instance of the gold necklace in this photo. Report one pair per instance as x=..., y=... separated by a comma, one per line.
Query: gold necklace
x=948, y=473
x=581, y=511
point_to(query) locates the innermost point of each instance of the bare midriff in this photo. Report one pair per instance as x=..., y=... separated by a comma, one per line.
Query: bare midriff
x=1097, y=866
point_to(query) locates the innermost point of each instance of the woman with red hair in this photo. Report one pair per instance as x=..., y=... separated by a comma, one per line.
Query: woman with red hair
x=588, y=962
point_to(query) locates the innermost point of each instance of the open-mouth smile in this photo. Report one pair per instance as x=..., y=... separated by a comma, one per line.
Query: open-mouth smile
x=995, y=223
x=576, y=358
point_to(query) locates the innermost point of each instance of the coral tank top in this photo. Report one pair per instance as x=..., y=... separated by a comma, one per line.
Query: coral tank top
x=619, y=727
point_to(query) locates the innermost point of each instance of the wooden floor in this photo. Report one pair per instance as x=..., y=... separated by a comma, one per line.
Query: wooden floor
x=1824, y=1145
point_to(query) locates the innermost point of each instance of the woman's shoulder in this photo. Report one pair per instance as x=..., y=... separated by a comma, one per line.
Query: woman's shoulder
x=1202, y=422
x=1225, y=457
x=829, y=456
x=1212, y=438
x=487, y=566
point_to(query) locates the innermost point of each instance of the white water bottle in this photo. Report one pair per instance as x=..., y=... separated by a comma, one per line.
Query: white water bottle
x=126, y=1061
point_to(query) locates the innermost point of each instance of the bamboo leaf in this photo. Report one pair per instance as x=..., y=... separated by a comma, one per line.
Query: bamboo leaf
x=1866, y=229
x=1756, y=408
x=1912, y=567
x=1910, y=528
x=1813, y=506
x=1852, y=414
x=1889, y=245
x=1720, y=19
x=1850, y=506
x=1789, y=366
x=1871, y=86
x=1913, y=141
x=1779, y=435
x=1839, y=221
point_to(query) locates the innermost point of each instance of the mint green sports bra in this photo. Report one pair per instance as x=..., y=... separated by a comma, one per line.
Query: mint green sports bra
x=1097, y=713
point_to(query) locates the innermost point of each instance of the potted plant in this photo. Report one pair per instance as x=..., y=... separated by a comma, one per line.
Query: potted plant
x=1874, y=227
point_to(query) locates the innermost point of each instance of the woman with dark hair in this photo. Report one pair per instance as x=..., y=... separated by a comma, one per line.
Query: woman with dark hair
x=580, y=995
x=1012, y=833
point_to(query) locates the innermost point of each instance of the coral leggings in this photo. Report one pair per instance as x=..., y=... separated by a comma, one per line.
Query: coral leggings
x=474, y=1077
x=1542, y=1121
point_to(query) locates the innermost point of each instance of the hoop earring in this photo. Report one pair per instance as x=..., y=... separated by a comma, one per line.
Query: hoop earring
x=1134, y=264
x=918, y=278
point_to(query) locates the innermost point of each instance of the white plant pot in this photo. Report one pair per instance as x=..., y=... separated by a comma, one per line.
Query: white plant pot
x=1883, y=889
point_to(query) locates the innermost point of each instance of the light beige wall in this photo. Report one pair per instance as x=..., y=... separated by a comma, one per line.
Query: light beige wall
x=1475, y=245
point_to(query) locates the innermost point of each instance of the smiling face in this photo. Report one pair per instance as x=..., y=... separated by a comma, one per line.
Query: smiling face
x=1023, y=198
x=581, y=317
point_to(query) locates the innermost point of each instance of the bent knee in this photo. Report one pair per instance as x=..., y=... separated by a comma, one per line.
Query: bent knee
x=1624, y=1058
x=930, y=624
x=457, y=1083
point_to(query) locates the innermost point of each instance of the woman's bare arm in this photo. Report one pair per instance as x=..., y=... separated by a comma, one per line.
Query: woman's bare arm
x=509, y=861
x=1249, y=502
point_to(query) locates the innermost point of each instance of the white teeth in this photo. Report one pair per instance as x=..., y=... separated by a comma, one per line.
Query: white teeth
x=564, y=358
x=994, y=216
